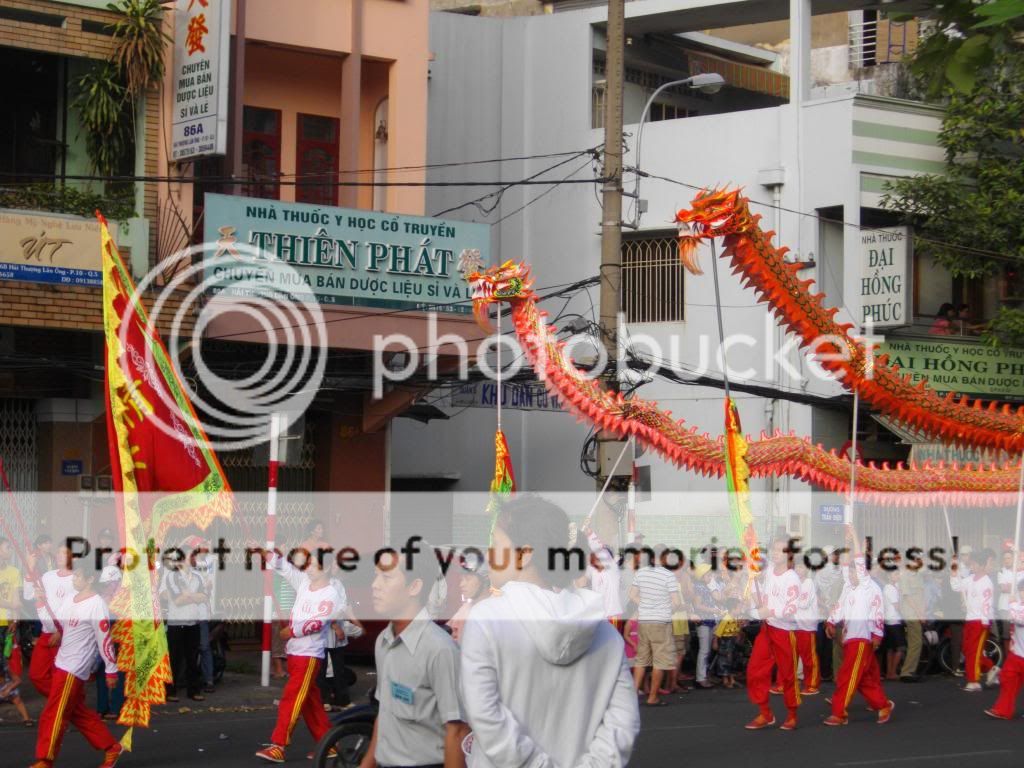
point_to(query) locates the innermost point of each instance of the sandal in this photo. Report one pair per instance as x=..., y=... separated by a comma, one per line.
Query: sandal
x=658, y=703
x=198, y=697
x=30, y=723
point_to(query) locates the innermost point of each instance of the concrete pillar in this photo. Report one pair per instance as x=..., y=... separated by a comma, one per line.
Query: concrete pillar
x=799, y=51
x=351, y=94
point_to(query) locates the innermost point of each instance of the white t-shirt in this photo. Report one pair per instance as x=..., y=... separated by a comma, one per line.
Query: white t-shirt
x=58, y=589
x=312, y=613
x=86, y=634
x=656, y=586
x=807, y=614
x=892, y=605
x=1006, y=578
x=781, y=596
x=977, y=592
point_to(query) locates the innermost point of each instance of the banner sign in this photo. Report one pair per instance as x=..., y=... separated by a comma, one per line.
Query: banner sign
x=522, y=397
x=960, y=366
x=885, y=283
x=961, y=454
x=201, y=73
x=347, y=257
x=49, y=248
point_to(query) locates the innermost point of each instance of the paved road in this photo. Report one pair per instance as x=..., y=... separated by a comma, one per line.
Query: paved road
x=935, y=725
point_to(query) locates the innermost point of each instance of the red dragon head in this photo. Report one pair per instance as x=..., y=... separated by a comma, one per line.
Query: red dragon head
x=715, y=213
x=507, y=282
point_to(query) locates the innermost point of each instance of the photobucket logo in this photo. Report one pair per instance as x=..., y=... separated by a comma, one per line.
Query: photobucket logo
x=233, y=286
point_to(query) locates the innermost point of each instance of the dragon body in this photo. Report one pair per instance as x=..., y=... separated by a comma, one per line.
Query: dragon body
x=726, y=214
x=684, y=446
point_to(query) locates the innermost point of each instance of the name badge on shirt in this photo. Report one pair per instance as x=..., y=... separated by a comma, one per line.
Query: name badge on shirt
x=401, y=693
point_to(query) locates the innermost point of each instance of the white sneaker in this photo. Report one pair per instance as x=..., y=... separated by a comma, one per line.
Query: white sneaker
x=972, y=687
x=992, y=678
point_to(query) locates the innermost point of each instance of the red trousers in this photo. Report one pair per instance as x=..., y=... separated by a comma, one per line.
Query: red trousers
x=66, y=704
x=773, y=648
x=976, y=663
x=301, y=697
x=40, y=669
x=859, y=672
x=807, y=648
x=1010, y=678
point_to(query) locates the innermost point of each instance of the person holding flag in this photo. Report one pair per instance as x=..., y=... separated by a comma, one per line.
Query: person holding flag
x=57, y=588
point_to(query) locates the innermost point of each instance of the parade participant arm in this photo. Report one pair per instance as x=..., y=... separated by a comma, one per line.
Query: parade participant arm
x=370, y=758
x=454, y=733
x=877, y=617
x=495, y=729
x=101, y=628
x=613, y=740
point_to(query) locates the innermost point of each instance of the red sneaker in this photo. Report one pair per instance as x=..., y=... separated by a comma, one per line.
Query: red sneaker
x=833, y=720
x=810, y=691
x=775, y=690
x=885, y=713
x=272, y=753
x=759, y=722
x=111, y=755
x=790, y=723
x=332, y=754
x=996, y=715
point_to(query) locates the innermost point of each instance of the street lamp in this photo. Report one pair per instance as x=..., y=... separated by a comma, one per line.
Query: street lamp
x=706, y=82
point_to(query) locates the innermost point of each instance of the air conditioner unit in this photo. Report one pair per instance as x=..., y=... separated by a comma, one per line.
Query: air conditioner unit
x=798, y=525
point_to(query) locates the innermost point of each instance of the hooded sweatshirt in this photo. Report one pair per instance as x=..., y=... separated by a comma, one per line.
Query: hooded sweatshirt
x=545, y=683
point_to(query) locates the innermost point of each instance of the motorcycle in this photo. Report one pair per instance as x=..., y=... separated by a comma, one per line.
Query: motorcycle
x=350, y=736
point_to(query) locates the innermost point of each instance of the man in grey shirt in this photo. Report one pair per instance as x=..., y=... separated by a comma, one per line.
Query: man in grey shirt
x=420, y=722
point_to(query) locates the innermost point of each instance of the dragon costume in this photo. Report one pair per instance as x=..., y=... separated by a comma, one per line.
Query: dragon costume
x=771, y=455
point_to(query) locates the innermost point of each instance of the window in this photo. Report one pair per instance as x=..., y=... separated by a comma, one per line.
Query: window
x=30, y=120
x=652, y=279
x=666, y=111
x=261, y=151
x=316, y=159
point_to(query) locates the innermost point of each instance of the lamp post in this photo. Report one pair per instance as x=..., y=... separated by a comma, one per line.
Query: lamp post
x=706, y=82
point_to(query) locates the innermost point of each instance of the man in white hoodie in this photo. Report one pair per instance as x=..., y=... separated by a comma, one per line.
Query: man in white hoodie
x=544, y=679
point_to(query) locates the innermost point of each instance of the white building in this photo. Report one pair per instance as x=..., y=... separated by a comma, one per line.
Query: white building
x=532, y=86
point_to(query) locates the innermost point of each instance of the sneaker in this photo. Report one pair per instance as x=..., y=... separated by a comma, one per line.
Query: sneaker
x=810, y=691
x=271, y=753
x=775, y=690
x=996, y=715
x=111, y=755
x=332, y=754
x=958, y=673
x=759, y=722
x=992, y=678
x=885, y=713
x=789, y=724
x=972, y=687
x=833, y=720
x=41, y=764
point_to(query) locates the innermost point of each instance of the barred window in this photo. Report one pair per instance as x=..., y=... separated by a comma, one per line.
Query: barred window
x=652, y=279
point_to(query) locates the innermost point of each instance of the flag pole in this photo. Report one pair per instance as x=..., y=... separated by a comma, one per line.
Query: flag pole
x=501, y=393
x=268, y=576
x=1020, y=512
x=848, y=509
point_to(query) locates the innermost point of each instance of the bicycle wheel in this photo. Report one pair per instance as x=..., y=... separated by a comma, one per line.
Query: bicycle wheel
x=994, y=651
x=945, y=658
x=351, y=740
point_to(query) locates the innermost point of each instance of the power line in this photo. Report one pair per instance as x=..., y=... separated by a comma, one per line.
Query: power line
x=859, y=227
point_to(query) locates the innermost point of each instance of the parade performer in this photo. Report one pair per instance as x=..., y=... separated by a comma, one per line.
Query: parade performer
x=1013, y=670
x=807, y=620
x=317, y=604
x=775, y=646
x=860, y=611
x=978, y=595
x=86, y=634
x=57, y=588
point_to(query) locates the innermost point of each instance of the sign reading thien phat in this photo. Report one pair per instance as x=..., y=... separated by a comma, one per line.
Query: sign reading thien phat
x=346, y=256
x=199, y=114
x=885, y=283
x=64, y=250
x=960, y=366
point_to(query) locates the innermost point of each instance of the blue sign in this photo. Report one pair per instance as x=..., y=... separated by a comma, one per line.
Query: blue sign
x=523, y=397
x=831, y=513
x=346, y=257
x=71, y=467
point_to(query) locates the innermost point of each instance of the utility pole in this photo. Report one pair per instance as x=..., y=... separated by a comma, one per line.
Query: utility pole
x=611, y=210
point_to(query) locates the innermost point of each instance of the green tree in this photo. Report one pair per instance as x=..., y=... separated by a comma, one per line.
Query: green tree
x=970, y=218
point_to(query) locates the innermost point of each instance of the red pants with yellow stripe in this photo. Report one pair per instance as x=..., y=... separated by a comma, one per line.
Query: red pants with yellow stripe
x=66, y=704
x=40, y=669
x=859, y=672
x=773, y=648
x=301, y=697
x=807, y=649
x=1010, y=678
x=976, y=663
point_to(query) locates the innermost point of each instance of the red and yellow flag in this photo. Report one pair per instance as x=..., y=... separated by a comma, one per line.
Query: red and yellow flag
x=164, y=472
x=737, y=476
x=503, y=484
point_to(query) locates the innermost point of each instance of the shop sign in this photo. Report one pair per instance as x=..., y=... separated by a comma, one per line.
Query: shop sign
x=201, y=73
x=885, y=284
x=49, y=248
x=346, y=257
x=960, y=366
